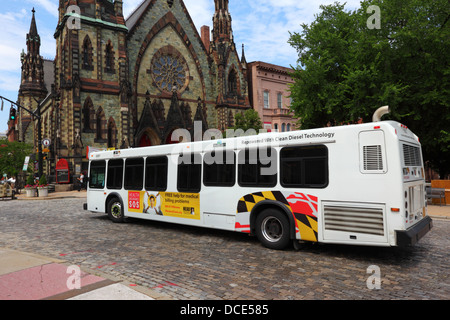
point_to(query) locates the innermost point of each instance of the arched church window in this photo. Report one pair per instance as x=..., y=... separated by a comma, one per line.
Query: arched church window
x=232, y=82
x=101, y=124
x=87, y=54
x=88, y=114
x=112, y=131
x=109, y=57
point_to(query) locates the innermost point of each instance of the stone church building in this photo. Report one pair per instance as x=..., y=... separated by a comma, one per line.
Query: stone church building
x=119, y=83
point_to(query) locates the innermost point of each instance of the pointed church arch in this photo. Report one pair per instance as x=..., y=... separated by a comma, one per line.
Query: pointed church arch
x=167, y=20
x=100, y=126
x=112, y=133
x=88, y=115
x=233, y=82
x=109, y=57
x=87, y=54
x=148, y=138
x=169, y=137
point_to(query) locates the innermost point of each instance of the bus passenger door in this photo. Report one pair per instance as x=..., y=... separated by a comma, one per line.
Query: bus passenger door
x=96, y=186
x=219, y=176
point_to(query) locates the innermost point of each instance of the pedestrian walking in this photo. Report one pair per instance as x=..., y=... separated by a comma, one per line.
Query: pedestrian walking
x=81, y=182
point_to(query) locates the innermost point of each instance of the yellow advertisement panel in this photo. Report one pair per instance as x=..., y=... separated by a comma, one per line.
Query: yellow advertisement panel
x=170, y=204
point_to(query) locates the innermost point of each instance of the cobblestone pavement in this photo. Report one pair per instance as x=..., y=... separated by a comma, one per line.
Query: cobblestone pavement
x=179, y=262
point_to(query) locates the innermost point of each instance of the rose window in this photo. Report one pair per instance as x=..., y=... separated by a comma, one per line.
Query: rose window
x=169, y=71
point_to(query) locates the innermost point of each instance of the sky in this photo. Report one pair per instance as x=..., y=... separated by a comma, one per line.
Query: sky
x=263, y=26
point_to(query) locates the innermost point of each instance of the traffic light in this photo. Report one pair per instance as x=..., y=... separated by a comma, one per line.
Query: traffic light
x=12, y=114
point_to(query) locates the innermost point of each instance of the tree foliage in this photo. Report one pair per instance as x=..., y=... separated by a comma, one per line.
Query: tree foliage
x=249, y=120
x=12, y=156
x=347, y=70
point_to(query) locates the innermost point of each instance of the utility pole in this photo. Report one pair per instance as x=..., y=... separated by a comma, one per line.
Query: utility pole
x=39, y=125
x=37, y=115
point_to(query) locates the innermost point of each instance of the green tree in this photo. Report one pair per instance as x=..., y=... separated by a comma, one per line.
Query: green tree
x=12, y=156
x=43, y=180
x=347, y=70
x=247, y=121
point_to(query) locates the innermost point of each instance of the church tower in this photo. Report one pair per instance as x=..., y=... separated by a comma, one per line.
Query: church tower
x=91, y=77
x=222, y=31
x=32, y=85
x=231, y=80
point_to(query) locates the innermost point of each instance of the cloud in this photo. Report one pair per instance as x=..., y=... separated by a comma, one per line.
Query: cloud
x=264, y=29
x=10, y=81
x=51, y=6
x=201, y=11
x=264, y=26
x=15, y=26
x=129, y=6
x=13, y=39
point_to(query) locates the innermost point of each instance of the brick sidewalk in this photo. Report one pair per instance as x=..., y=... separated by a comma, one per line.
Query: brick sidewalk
x=54, y=195
x=435, y=211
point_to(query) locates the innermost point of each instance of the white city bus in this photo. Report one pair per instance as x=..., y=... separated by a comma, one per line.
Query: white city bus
x=357, y=184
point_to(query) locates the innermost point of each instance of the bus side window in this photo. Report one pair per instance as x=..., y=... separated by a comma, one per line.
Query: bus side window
x=134, y=174
x=115, y=174
x=189, y=173
x=156, y=174
x=219, y=169
x=97, y=175
x=257, y=167
x=304, y=167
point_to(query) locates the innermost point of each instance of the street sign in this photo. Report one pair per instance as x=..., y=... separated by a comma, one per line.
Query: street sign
x=46, y=142
x=25, y=164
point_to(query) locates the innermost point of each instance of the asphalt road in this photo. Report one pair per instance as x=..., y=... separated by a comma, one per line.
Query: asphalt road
x=179, y=262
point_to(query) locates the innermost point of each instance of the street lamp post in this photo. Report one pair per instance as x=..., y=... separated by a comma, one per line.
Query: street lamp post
x=39, y=124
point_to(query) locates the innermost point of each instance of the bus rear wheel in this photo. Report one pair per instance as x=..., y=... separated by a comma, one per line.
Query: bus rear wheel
x=115, y=210
x=272, y=229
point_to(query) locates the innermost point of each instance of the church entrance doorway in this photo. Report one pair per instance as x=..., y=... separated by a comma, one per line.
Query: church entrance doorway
x=148, y=139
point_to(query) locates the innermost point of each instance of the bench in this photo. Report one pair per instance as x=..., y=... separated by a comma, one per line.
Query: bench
x=436, y=193
x=51, y=188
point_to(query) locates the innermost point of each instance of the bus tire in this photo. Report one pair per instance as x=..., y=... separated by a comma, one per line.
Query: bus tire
x=273, y=229
x=115, y=210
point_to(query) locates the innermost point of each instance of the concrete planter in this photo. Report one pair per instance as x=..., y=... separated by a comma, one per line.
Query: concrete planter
x=43, y=192
x=31, y=192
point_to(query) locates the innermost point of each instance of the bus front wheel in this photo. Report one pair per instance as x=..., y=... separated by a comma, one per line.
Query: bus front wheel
x=272, y=229
x=115, y=210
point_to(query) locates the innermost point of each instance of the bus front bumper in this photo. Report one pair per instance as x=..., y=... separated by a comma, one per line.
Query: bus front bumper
x=411, y=236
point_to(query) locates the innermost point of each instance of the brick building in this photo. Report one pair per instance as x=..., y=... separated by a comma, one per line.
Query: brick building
x=119, y=83
x=269, y=95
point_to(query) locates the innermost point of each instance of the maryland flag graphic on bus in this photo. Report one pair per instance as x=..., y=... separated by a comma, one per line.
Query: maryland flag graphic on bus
x=302, y=206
